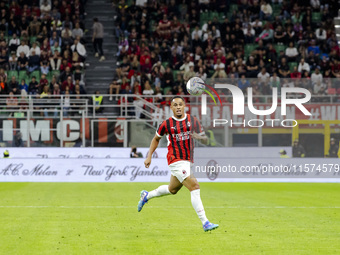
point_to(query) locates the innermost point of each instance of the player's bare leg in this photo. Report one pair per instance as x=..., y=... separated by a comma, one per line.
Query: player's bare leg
x=192, y=185
x=162, y=190
x=174, y=185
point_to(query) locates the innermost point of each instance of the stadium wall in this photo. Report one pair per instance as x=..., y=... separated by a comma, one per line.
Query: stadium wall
x=90, y=152
x=102, y=165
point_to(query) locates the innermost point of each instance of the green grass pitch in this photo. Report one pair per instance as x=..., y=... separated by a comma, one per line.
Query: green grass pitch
x=102, y=218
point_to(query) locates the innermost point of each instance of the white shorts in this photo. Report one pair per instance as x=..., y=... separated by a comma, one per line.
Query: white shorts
x=181, y=169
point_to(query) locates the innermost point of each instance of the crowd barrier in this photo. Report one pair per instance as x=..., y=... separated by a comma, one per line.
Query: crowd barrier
x=205, y=169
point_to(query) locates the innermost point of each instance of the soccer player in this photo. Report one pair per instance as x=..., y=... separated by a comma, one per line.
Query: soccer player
x=179, y=130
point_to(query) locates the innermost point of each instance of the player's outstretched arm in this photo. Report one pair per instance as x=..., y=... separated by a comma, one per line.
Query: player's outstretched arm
x=153, y=147
x=201, y=138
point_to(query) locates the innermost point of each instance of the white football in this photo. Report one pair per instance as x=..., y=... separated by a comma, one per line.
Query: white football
x=195, y=86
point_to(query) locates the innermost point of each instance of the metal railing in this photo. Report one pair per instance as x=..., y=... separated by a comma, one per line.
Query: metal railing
x=128, y=106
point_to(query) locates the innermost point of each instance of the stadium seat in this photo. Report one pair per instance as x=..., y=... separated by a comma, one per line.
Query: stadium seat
x=204, y=16
x=276, y=10
x=12, y=73
x=152, y=25
x=211, y=72
x=54, y=72
x=213, y=14
x=291, y=65
x=33, y=39
x=316, y=17
x=174, y=72
x=166, y=90
x=249, y=48
x=279, y=48
x=22, y=75
x=233, y=7
x=165, y=64
x=36, y=74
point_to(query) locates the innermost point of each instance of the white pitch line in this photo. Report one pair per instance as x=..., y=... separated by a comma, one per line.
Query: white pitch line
x=210, y=207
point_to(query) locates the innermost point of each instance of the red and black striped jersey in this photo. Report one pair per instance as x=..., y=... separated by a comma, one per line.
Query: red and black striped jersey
x=178, y=133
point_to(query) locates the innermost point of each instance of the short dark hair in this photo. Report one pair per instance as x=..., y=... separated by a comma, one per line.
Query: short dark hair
x=95, y=19
x=177, y=97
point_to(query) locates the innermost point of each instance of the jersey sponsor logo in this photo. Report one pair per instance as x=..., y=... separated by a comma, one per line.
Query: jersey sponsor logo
x=181, y=136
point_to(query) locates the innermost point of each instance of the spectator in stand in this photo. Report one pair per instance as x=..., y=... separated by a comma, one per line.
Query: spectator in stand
x=23, y=86
x=65, y=74
x=22, y=62
x=274, y=81
x=291, y=52
x=98, y=99
x=266, y=11
x=12, y=103
x=303, y=66
x=35, y=48
x=67, y=83
x=77, y=31
x=55, y=89
x=168, y=78
x=66, y=32
x=147, y=89
x=55, y=38
x=67, y=103
x=252, y=68
x=79, y=48
x=43, y=82
x=314, y=48
x=76, y=61
x=284, y=70
x=14, y=43
x=201, y=74
x=34, y=26
x=13, y=86
x=55, y=47
x=333, y=149
x=295, y=74
x=164, y=28
x=319, y=88
x=191, y=73
x=23, y=48
x=13, y=61
x=67, y=40
x=79, y=89
x=145, y=61
x=279, y=35
x=316, y=76
x=114, y=89
x=243, y=84
x=33, y=62
x=97, y=39
x=45, y=8
x=78, y=75
x=263, y=76
x=3, y=86
x=4, y=60
x=267, y=34
x=321, y=34
x=55, y=60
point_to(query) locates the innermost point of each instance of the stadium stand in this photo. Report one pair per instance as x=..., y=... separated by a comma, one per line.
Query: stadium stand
x=153, y=47
x=42, y=44
x=164, y=43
